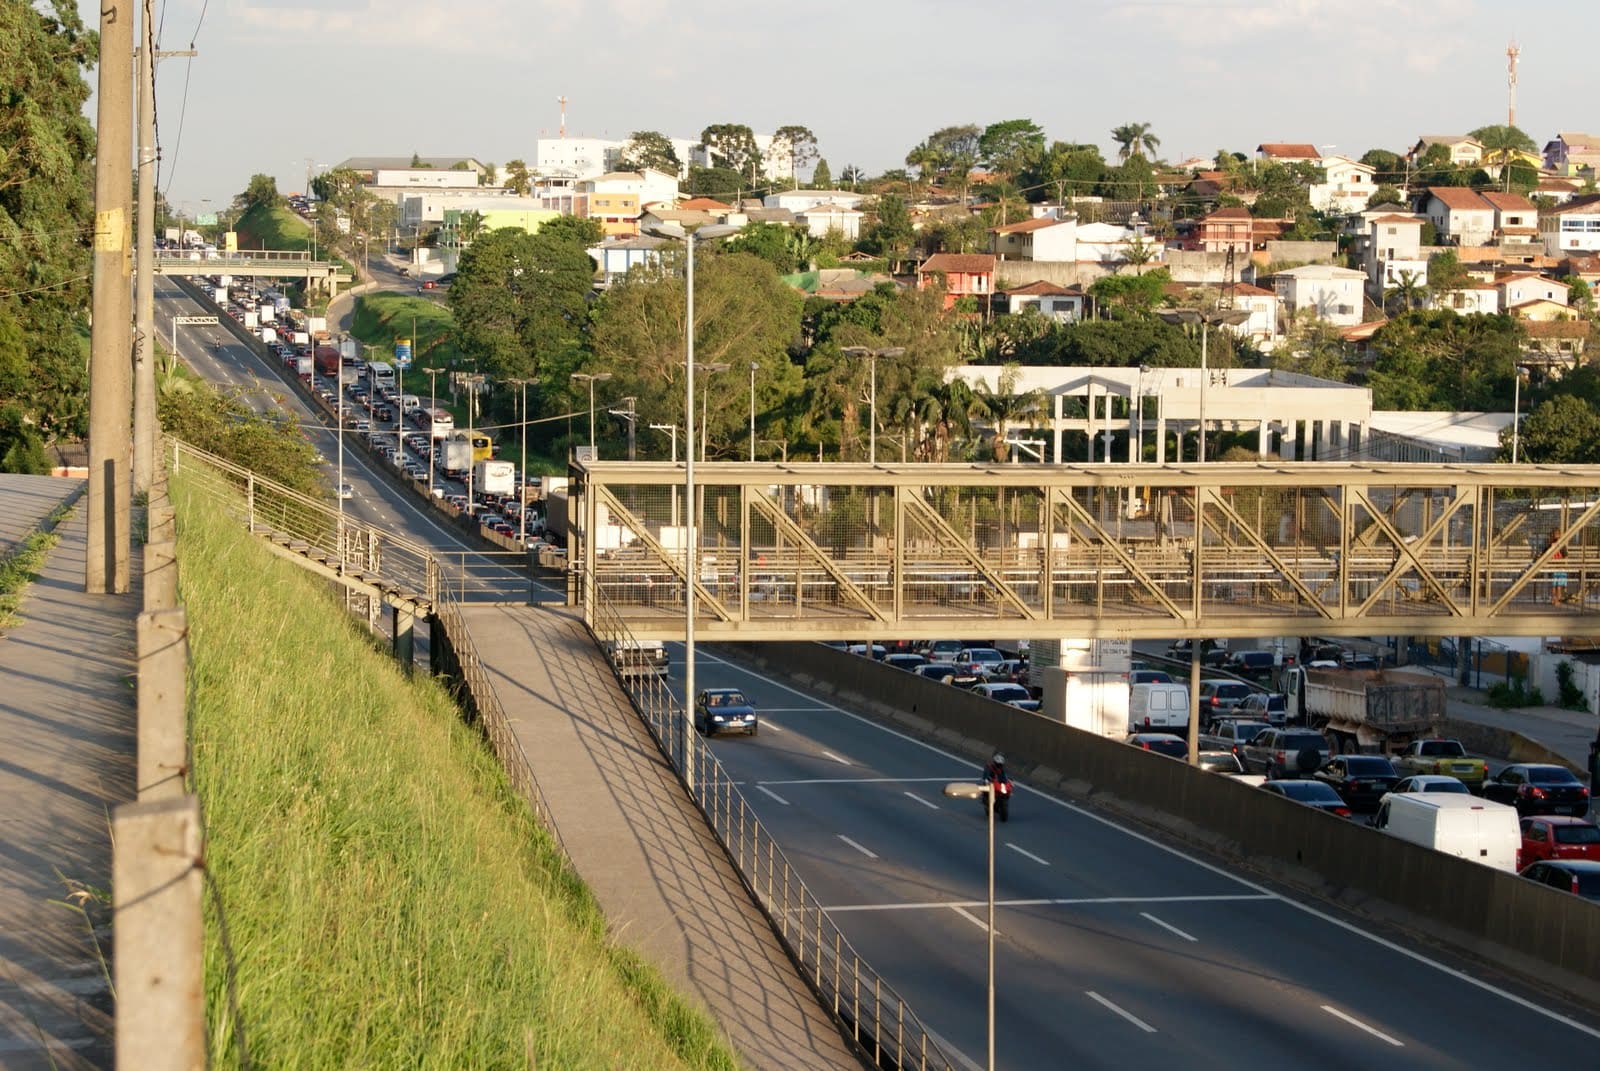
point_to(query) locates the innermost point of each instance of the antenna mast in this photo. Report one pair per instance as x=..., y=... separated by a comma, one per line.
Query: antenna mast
x=1512, y=52
x=563, y=102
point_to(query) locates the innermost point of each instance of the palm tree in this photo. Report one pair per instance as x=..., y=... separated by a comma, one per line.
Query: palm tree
x=852, y=174
x=1003, y=407
x=1408, y=291
x=926, y=159
x=1135, y=139
x=945, y=412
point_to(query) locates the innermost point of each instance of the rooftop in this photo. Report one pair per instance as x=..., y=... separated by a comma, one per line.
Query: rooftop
x=1289, y=150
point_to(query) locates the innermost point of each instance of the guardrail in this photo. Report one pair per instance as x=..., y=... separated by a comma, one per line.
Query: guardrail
x=877, y=1018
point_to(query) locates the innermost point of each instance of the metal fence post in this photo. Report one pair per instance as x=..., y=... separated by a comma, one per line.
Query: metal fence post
x=163, y=755
x=160, y=946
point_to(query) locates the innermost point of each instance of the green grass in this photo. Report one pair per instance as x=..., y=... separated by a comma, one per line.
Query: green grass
x=272, y=228
x=379, y=319
x=389, y=901
x=22, y=567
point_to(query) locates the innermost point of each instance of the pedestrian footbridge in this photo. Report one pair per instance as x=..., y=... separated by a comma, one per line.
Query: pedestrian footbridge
x=1018, y=551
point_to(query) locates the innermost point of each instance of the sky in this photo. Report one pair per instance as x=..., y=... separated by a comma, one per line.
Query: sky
x=280, y=85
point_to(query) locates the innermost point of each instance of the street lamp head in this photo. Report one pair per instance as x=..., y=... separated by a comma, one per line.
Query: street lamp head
x=1181, y=316
x=966, y=790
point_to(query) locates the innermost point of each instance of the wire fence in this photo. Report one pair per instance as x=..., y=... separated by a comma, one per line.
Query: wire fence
x=877, y=1017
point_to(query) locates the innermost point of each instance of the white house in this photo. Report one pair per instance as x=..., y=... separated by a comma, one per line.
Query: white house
x=649, y=186
x=1469, y=298
x=1522, y=287
x=1459, y=213
x=1330, y=293
x=1262, y=305
x=1062, y=303
x=578, y=157
x=1107, y=243
x=1040, y=238
x=1515, y=217
x=1393, y=250
x=1573, y=227
x=798, y=201
x=822, y=220
x=617, y=258
x=1464, y=151
x=1347, y=188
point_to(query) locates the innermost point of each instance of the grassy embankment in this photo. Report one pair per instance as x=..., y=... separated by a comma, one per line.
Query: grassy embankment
x=389, y=901
x=279, y=228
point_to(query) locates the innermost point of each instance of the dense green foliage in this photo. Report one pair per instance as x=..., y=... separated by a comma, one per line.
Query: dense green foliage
x=222, y=424
x=46, y=213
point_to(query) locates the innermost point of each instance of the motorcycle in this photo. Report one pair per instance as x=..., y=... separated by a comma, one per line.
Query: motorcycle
x=1000, y=793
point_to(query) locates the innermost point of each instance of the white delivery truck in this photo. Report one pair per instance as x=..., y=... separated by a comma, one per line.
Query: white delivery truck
x=1455, y=823
x=1090, y=699
x=1153, y=706
x=494, y=477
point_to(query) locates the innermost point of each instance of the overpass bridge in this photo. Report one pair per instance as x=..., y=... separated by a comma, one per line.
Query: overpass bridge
x=1016, y=551
x=268, y=263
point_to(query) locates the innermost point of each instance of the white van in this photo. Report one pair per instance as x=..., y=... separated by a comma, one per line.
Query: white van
x=1157, y=706
x=1456, y=824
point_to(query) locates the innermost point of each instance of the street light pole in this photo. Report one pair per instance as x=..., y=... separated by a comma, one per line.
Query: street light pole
x=1191, y=317
x=968, y=790
x=433, y=403
x=522, y=491
x=708, y=369
x=753, y=367
x=872, y=356
x=1516, y=412
x=592, y=379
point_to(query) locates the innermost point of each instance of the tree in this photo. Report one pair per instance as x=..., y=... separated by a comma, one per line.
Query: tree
x=579, y=231
x=1389, y=167
x=956, y=148
x=1386, y=195
x=925, y=158
x=46, y=222
x=722, y=183
x=1004, y=408
x=852, y=174
x=1498, y=137
x=518, y=181
x=261, y=192
x=1066, y=168
x=1312, y=346
x=1408, y=292
x=649, y=148
x=772, y=242
x=1134, y=139
x=1564, y=430
x=821, y=177
x=735, y=145
x=797, y=143
x=521, y=300
x=1011, y=145
x=1130, y=295
x=890, y=233
x=1445, y=273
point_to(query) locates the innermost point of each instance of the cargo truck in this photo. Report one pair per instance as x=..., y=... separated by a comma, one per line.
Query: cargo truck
x=457, y=456
x=494, y=478
x=1365, y=710
x=1090, y=698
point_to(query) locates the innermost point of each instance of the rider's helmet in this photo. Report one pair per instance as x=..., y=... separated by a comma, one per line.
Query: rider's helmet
x=998, y=759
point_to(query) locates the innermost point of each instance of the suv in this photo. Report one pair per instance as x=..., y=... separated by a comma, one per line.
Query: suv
x=1232, y=735
x=1251, y=663
x=1286, y=753
x=1264, y=706
x=1220, y=697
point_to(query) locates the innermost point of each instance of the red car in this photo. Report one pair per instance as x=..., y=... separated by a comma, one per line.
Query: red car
x=1557, y=837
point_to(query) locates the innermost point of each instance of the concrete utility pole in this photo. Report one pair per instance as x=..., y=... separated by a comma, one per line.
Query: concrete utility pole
x=110, y=401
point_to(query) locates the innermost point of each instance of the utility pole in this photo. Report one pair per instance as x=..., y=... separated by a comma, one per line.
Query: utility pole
x=631, y=415
x=110, y=390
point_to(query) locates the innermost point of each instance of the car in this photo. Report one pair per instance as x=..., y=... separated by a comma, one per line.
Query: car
x=1006, y=692
x=1557, y=837
x=1538, y=788
x=1014, y=670
x=1218, y=697
x=875, y=650
x=1287, y=753
x=1149, y=676
x=906, y=660
x=1210, y=654
x=1174, y=747
x=346, y=491
x=1311, y=794
x=1270, y=707
x=1251, y=663
x=1581, y=877
x=1430, y=783
x=979, y=660
x=429, y=284
x=941, y=650
x=1232, y=734
x=1437, y=755
x=936, y=671
x=1360, y=780
x=724, y=710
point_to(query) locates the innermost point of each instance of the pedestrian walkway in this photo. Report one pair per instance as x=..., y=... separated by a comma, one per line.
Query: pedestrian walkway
x=663, y=881
x=67, y=719
x=1567, y=733
x=25, y=501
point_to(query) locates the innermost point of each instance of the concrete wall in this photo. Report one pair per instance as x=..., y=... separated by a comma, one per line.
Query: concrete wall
x=1520, y=925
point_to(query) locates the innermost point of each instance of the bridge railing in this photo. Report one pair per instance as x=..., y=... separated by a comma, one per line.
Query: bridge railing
x=877, y=1017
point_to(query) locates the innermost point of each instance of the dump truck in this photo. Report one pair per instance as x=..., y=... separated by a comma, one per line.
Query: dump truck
x=1379, y=710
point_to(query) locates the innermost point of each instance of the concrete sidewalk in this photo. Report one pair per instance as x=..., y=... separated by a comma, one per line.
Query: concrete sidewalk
x=67, y=719
x=1567, y=733
x=664, y=883
x=25, y=501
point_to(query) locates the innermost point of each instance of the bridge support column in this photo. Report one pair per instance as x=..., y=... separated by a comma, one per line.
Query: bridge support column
x=435, y=646
x=404, y=639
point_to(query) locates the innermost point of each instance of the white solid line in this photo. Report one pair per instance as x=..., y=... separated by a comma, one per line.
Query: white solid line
x=1266, y=894
x=869, y=853
x=1169, y=927
x=859, y=780
x=1047, y=902
x=794, y=710
x=1359, y=1025
x=774, y=795
x=836, y=758
x=925, y=803
x=1030, y=855
x=1128, y=1015
x=975, y=920
x=765, y=724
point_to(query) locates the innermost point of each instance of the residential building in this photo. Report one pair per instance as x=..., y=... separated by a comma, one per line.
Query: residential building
x=825, y=219
x=1061, y=303
x=431, y=206
x=1559, y=343
x=1570, y=154
x=1040, y=238
x=1469, y=298
x=1262, y=305
x=1223, y=230
x=619, y=256
x=1573, y=227
x=1580, y=267
x=1460, y=215
x=1516, y=220
x=616, y=211
x=798, y=201
x=1287, y=152
x=1559, y=190
x=1541, y=310
x=1520, y=287
x=1347, y=187
x=1111, y=243
x=579, y=158
x=1392, y=251
x=960, y=274
x=368, y=166
x=1464, y=151
x=1329, y=293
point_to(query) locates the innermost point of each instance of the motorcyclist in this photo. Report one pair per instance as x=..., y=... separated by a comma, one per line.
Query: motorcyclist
x=995, y=770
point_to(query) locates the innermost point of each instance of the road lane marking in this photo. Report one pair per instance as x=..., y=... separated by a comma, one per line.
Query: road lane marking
x=860, y=780
x=1359, y=1025
x=1169, y=927
x=1046, y=902
x=1030, y=855
x=975, y=920
x=1128, y=1015
x=774, y=795
x=931, y=806
x=868, y=852
x=765, y=724
x=1266, y=894
x=794, y=710
x=836, y=758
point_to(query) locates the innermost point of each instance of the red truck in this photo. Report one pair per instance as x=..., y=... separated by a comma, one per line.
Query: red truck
x=327, y=360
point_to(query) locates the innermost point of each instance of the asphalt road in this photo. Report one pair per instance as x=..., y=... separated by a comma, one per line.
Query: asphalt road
x=1112, y=949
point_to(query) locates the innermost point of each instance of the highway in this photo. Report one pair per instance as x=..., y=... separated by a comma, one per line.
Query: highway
x=1113, y=949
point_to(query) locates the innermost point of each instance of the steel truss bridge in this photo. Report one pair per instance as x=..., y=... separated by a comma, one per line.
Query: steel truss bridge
x=272, y=263
x=1020, y=551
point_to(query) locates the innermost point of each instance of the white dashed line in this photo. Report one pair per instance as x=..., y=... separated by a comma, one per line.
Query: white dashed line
x=925, y=803
x=774, y=795
x=1028, y=854
x=1169, y=927
x=975, y=920
x=869, y=853
x=1128, y=1015
x=1359, y=1025
x=836, y=758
